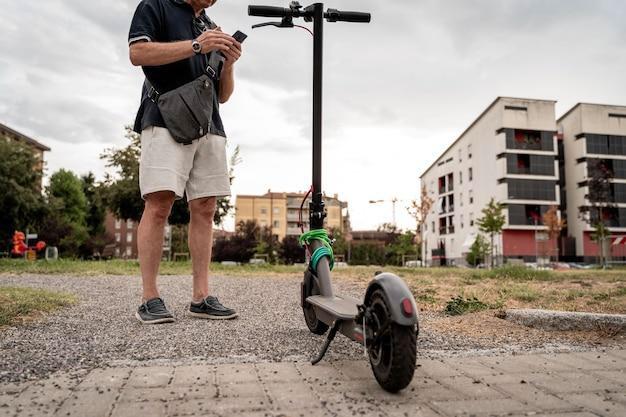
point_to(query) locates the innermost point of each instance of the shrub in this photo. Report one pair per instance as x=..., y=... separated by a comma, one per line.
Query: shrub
x=460, y=305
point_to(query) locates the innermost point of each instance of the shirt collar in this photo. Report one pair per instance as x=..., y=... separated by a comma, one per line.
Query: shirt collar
x=184, y=3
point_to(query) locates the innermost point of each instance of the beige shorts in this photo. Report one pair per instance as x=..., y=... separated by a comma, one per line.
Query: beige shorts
x=199, y=169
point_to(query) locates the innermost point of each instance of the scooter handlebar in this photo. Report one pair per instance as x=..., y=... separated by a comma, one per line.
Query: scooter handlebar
x=357, y=17
x=269, y=11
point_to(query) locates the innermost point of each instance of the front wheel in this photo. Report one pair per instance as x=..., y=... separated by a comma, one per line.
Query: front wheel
x=393, y=350
x=310, y=287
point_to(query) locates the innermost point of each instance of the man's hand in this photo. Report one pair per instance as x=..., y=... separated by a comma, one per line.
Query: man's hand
x=232, y=54
x=216, y=40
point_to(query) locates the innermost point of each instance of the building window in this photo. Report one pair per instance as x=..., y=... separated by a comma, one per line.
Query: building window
x=471, y=223
x=433, y=227
x=606, y=144
x=276, y=210
x=461, y=221
x=129, y=251
x=130, y=224
x=117, y=252
x=118, y=223
x=461, y=199
x=460, y=154
x=471, y=197
x=276, y=223
x=530, y=164
x=460, y=177
x=470, y=174
x=118, y=237
x=536, y=140
x=469, y=151
x=263, y=210
x=531, y=189
x=526, y=215
x=129, y=237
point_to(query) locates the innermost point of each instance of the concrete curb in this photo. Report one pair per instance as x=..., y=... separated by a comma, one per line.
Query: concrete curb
x=566, y=320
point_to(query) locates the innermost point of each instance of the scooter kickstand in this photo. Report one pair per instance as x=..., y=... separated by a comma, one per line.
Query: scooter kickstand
x=329, y=338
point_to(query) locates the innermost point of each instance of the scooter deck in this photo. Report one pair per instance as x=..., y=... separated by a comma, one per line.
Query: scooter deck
x=342, y=307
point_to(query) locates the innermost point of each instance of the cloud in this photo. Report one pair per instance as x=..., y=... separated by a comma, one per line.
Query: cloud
x=396, y=91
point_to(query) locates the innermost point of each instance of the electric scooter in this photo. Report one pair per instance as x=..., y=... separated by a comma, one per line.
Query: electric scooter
x=385, y=322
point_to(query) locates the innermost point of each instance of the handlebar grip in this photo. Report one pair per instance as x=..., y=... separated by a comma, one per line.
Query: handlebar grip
x=268, y=11
x=356, y=17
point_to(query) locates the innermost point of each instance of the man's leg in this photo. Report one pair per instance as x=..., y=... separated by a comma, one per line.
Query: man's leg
x=204, y=305
x=150, y=239
x=201, y=243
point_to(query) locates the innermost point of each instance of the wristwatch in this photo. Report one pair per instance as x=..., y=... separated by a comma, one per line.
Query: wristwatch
x=195, y=45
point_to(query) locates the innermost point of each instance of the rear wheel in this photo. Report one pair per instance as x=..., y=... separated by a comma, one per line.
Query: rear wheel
x=393, y=350
x=312, y=288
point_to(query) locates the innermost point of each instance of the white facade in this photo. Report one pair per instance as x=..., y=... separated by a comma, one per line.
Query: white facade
x=580, y=125
x=486, y=162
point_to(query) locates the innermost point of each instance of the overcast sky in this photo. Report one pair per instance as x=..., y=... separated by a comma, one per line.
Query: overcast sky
x=397, y=91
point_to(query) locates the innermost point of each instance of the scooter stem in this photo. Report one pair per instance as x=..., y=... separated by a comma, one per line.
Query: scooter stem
x=316, y=207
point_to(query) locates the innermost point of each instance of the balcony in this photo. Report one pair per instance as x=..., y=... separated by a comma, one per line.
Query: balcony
x=531, y=140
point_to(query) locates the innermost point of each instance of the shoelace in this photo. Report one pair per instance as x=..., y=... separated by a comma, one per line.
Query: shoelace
x=213, y=302
x=156, y=306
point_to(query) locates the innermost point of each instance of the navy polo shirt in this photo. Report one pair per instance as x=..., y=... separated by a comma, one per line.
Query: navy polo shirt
x=169, y=21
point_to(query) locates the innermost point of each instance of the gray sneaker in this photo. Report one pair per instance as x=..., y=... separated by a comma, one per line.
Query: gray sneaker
x=211, y=308
x=153, y=312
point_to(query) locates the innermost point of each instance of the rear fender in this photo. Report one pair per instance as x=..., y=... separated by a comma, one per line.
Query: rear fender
x=395, y=291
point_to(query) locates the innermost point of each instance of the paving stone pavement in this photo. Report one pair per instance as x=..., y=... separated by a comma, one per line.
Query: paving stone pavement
x=581, y=384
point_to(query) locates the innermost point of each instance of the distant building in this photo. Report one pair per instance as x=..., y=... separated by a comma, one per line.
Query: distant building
x=37, y=147
x=509, y=153
x=374, y=237
x=594, y=135
x=280, y=211
x=125, y=234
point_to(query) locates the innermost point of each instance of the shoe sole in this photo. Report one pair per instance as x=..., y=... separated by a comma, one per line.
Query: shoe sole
x=156, y=321
x=211, y=317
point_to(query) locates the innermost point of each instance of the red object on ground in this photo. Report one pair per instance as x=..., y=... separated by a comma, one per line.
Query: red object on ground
x=19, y=246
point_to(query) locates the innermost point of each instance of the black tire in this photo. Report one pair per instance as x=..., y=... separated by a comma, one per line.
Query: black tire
x=393, y=358
x=315, y=326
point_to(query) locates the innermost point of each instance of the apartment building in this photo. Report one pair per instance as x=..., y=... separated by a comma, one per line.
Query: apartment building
x=594, y=137
x=37, y=148
x=280, y=211
x=508, y=153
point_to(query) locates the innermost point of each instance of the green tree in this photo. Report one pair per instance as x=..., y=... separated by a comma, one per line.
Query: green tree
x=290, y=251
x=241, y=246
x=96, y=213
x=401, y=246
x=65, y=224
x=340, y=245
x=478, y=251
x=492, y=222
x=600, y=203
x=367, y=254
x=21, y=201
x=267, y=244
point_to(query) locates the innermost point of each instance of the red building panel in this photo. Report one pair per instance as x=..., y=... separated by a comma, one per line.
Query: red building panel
x=522, y=243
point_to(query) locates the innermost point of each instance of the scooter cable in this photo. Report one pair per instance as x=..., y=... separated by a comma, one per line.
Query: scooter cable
x=325, y=250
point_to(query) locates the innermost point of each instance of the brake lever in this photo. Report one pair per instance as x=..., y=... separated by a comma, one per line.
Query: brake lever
x=277, y=24
x=286, y=22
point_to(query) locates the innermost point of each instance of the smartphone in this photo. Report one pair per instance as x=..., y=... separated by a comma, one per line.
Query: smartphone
x=239, y=36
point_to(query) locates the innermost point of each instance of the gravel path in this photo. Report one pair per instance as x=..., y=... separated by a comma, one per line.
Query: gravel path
x=101, y=329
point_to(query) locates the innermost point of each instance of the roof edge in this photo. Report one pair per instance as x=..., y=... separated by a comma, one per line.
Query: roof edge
x=28, y=139
x=587, y=104
x=476, y=121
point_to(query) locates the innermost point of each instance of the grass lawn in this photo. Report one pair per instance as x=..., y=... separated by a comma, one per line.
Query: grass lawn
x=18, y=303
x=434, y=288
